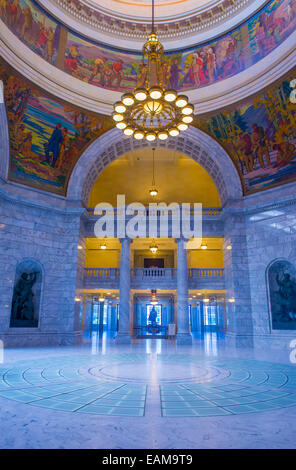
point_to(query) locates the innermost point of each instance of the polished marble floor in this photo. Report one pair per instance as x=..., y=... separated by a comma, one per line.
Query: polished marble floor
x=151, y=394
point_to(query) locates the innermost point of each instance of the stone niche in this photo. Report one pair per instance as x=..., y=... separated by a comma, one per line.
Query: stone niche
x=26, y=298
x=281, y=280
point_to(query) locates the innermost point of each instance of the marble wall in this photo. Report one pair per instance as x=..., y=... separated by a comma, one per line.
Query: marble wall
x=271, y=235
x=50, y=237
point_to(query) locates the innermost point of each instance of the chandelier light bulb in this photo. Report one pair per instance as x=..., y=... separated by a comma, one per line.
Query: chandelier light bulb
x=121, y=125
x=139, y=135
x=174, y=131
x=153, y=248
x=153, y=192
x=150, y=136
x=182, y=126
x=128, y=99
x=170, y=95
x=128, y=131
x=140, y=94
x=119, y=107
x=163, y=135
x=117, y=117
x=181, y=101
x=187, y=119
x=187, y=110
x=155, y=92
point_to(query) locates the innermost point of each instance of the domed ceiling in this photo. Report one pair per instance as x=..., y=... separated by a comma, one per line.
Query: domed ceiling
x=164, y=9
x=128, y=19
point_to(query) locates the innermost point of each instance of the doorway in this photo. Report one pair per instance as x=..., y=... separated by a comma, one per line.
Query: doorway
x=154, y=263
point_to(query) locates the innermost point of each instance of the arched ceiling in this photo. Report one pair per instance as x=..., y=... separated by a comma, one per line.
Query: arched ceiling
x=178, y=179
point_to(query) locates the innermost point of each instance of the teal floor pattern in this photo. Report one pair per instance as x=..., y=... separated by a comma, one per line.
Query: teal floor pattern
x=62, y=384
x=251, y=387
x=214, y=387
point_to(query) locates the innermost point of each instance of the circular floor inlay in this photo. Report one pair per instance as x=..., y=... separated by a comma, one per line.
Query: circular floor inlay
x=157, y=372
x=116, y=385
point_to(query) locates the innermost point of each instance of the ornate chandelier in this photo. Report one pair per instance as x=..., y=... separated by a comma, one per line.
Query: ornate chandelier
x=154, y=111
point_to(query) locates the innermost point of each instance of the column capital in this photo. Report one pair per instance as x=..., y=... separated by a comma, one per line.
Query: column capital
x=181, y=242
x=129, y=240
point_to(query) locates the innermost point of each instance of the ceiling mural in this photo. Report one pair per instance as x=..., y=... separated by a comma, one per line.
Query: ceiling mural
x=47, y=136
x=115, y=69
x=259, y=134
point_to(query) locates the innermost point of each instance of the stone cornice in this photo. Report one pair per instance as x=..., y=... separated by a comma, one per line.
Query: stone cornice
x=206, y=18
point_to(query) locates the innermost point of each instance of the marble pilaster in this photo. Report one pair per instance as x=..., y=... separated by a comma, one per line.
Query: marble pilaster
x=124, y=335
x=183, y=333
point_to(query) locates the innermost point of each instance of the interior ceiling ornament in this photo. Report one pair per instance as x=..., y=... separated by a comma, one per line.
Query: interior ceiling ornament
x=154, y=111
x=203, y=18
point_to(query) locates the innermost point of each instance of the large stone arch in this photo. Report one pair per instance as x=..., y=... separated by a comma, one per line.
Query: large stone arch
x=194, y=143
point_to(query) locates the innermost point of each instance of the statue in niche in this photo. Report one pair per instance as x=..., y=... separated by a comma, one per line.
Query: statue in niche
x=153, y=326
x=23, y=302
x=282, y=288
x=287, y=296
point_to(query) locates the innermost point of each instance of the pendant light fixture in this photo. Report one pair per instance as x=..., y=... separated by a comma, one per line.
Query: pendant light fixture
x=153, y=191
x=153, y=300
x=153, y=248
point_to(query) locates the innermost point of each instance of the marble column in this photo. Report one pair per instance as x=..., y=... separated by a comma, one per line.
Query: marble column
x=124, y=335
x=101, y=316
x=183, y=333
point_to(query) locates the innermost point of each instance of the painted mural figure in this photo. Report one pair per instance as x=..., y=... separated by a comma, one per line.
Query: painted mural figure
x=49, y=44
x=175, y=71
x=117, y=72
x=53, y=145
x=22, y=300
x=211, y=65
x=246, y=149
x=287, y=296
x=259, y=142
x=142, y=75
x=64, y=145
x=100, y=70
x=73, y=59
x=41, y=41
x=27, y=25
x=24, y=140
x=285, y=153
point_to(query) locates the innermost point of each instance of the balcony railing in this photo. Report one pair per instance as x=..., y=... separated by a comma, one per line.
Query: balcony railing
x=206, y=272
x=101, y=273
x=154, y=273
